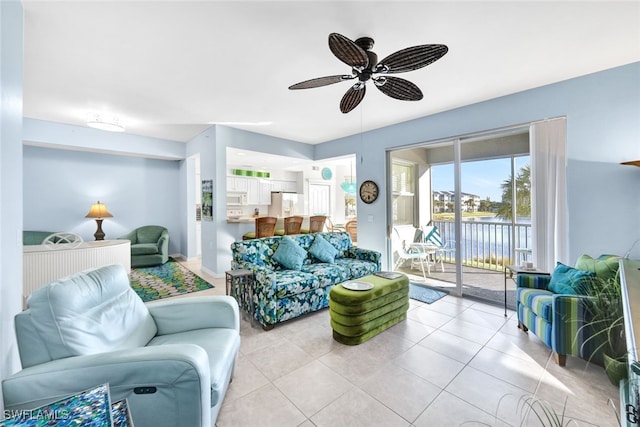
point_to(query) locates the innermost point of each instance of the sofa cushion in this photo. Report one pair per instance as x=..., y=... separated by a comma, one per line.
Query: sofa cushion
x=323, y=250
x=144, y=249
x=539, y=301
x=570, y=281
x=290, y=254
x=91, y=312
x=605, y=266
x=293, y=282
x=34, y=237
x=328, y=274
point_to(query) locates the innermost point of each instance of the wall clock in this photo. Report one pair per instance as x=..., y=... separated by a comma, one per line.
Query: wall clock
x=369, y=191
x=326, y=174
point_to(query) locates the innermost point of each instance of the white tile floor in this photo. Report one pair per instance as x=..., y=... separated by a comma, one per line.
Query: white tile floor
x=453, y=362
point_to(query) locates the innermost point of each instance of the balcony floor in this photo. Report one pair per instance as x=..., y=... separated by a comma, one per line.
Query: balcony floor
x=478, y=283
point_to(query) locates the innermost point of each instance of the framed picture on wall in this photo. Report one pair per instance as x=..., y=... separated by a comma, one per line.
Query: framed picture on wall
x=207, y=199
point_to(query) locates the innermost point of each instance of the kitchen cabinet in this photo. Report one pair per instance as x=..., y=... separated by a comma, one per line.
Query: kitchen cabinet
x=284, y=186
x=237, y=184
x=258, y=192
x=265, y=192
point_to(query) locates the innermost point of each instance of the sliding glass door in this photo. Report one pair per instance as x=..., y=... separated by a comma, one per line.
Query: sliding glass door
x=457, y=208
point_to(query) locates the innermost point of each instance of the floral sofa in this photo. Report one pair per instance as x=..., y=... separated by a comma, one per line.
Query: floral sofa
x=282, y=293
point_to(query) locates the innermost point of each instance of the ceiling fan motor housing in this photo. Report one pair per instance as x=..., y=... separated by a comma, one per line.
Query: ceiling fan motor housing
x=365, y=74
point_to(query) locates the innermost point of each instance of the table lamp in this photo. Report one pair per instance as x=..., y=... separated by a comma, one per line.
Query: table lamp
x=98, y=211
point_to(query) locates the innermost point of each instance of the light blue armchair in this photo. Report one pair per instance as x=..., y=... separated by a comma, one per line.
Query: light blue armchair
x=172, y=360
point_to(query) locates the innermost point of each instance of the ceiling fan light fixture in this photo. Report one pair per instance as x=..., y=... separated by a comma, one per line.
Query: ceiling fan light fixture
x=98, y=122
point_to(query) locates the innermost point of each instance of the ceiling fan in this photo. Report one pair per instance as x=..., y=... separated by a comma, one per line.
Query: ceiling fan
x=365, y=66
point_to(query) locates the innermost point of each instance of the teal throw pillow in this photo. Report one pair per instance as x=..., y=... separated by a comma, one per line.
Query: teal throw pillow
x=323, y=250
x=605, y=266
x=290, y=254
x=569, y=280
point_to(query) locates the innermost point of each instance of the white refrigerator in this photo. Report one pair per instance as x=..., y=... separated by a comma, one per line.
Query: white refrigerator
x=285, y=204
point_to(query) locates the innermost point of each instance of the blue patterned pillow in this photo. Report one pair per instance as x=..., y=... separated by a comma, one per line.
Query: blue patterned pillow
x=323, y=250
x=289, y=254
x=569, y=280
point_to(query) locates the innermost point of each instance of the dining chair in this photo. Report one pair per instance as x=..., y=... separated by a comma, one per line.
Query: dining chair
x=333, y=227
x=316, y=223
x=292, y=224
x=352, y=228
x=265, y=227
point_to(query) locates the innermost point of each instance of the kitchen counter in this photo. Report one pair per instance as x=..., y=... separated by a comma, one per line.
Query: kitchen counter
x=241, y=220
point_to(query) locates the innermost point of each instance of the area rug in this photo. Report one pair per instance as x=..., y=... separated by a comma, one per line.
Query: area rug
x=167, y=280
x=421, y=293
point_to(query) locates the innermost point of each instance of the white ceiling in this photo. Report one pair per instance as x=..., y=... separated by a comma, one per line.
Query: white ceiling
x=168, y=69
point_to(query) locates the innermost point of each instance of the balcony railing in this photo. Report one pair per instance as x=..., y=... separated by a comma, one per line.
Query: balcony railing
x=487, y=244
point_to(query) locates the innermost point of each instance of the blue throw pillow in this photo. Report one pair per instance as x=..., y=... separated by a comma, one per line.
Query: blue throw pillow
x=290, y=254
x=323, y=250
x=569, y=280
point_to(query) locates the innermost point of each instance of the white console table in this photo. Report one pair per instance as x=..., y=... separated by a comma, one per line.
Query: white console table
x=41, y=264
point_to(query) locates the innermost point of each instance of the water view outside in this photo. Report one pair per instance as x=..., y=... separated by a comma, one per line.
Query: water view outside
x=489, y=239
x=486, y=241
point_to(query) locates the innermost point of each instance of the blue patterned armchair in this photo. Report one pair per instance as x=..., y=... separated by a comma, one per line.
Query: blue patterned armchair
x=282, y=293
x=558, y=315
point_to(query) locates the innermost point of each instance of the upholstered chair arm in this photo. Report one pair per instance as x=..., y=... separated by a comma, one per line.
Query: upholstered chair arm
x=187, y=314
x=180, y=374
x=264, y=291
x=130, y=236
x=534, y=281
x=569, y=319
x=364, y=255
x=163, y=242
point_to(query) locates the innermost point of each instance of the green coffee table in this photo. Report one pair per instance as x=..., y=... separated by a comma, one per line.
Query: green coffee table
x=357, y=316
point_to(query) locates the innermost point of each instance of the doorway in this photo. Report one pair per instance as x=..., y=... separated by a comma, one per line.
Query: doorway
x=319, y=199
x=458, y=203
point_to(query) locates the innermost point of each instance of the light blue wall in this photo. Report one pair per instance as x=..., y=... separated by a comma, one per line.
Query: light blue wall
x=603, y=129
x=217, y=235
x=61, y=185
x=11, y=47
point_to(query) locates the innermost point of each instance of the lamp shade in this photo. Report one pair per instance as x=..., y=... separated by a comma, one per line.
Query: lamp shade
x=348, y=187
x=98, y=210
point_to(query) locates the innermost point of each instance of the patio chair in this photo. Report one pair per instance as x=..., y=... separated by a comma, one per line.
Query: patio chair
x=413, y=253
x=444, y=249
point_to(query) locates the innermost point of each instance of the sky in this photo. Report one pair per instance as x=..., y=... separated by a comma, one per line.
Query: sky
x=483, y=178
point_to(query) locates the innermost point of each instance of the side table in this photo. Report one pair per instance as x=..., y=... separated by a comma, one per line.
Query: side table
x=240, y=286
x=509, y=271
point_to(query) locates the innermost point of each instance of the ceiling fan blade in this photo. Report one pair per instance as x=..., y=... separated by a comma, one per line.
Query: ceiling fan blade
x=347, y=51
x=320, y=81
x=398, y=88
x=412, y=58
x=352, y=98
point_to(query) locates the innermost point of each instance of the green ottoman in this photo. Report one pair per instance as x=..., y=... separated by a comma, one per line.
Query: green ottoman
x=357, y=316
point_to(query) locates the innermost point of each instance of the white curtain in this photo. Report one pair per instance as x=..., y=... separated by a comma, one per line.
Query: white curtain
x=549, y=216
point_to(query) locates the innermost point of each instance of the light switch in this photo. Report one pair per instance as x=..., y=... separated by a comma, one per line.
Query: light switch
x=370, y=218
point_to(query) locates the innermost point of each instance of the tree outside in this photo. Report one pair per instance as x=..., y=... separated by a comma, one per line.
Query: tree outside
x=523, y=195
